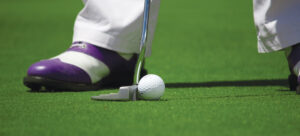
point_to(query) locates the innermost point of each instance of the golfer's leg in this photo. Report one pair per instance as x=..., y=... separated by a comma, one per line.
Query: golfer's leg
x=115, y=24
x=106, y=36
x=278, y=28
x=277, y=23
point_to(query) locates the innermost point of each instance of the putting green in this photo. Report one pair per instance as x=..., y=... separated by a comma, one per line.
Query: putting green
x=217, y=83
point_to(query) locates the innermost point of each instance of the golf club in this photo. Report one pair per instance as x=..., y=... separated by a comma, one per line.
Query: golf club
x=130, y=92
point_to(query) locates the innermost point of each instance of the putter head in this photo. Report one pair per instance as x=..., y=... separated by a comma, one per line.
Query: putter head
x=126, y=93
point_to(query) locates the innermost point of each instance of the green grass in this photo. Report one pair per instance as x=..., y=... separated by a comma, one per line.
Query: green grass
x=217, y=83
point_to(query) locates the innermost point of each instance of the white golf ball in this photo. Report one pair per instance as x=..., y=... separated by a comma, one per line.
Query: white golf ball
x=151, y=87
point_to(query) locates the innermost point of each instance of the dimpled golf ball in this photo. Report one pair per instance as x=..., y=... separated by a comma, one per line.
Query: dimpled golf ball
x=151, y=87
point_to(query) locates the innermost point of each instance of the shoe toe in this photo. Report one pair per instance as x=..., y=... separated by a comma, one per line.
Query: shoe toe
x=57, y=70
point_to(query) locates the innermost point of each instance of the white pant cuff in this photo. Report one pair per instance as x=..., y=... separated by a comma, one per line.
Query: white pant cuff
x=103, y=40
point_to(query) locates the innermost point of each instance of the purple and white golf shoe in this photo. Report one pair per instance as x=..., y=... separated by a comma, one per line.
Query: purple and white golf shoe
x=82, y=67
x=294, y=65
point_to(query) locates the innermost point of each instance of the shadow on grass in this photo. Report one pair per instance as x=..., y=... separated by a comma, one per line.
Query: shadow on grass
x=231, y=96
x=241, y=83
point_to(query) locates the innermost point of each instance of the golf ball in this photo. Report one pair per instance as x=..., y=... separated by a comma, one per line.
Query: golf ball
x=151, y=87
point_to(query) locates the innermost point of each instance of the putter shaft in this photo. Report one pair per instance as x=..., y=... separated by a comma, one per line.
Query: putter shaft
x=139, y=63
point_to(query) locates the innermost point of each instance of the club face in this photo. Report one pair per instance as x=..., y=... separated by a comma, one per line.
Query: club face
x=126, y=93
x=110, y=97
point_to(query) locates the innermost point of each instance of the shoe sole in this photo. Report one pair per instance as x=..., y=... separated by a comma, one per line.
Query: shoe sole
x=293, y=82
x=37, y=83
x=298, y=90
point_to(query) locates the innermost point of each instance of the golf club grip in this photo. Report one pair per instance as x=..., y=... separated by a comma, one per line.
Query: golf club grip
x=142, y=43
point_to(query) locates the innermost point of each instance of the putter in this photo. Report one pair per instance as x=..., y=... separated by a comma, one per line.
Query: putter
x=127, y=93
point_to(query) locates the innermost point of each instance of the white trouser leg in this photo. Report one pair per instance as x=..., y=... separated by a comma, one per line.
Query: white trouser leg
x=115, y=24
x=277, y=23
